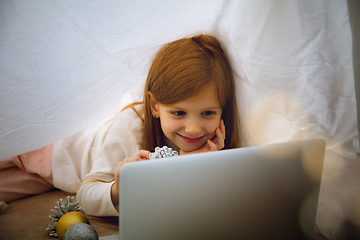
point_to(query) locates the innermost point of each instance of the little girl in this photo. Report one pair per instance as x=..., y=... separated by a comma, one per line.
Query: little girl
x=189, y=98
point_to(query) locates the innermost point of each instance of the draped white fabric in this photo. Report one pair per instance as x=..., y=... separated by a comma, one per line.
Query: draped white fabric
x=65, y=65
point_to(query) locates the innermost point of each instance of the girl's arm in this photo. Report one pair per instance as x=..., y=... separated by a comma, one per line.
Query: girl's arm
x=122, y=140
x=141, y=155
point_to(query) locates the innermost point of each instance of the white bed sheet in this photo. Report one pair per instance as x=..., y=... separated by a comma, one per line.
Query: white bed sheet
x=65, y=65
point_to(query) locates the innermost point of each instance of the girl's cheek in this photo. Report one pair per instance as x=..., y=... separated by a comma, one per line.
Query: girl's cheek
x=214, y=127
x=213, y=134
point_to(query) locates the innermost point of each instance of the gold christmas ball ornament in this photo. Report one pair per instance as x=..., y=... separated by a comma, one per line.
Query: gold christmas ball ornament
x=68, y=220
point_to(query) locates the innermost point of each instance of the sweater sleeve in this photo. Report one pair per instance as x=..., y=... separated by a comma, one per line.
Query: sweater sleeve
x=95, y=199
x=121, y=141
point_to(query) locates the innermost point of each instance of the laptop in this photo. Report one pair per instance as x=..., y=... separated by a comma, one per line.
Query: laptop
x=266, y=192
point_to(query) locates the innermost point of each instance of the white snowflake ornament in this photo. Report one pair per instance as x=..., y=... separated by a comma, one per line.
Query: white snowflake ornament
x=163, y=153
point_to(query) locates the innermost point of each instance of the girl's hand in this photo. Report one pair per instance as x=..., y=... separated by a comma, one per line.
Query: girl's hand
x=141, y=155
x=214, y=144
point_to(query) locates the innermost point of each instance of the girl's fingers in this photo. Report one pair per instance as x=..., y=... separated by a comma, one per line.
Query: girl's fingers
x=220, y=139
x=139, y=156
x=212, y=145
x=142, y=155
x=220, y=134
x=222, y=128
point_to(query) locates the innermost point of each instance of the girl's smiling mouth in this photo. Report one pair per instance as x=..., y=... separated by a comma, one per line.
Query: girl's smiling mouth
x=190, y=140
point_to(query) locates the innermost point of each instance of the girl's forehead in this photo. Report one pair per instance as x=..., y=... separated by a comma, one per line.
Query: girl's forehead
x=205, y=92
x=207, y=98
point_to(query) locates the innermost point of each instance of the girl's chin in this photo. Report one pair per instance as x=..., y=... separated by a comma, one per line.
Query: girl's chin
x=191, y=148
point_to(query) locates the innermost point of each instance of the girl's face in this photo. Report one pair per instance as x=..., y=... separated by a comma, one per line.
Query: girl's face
x=190, y=123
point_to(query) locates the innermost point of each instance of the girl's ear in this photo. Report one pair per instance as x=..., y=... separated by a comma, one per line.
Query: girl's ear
x=154, y=106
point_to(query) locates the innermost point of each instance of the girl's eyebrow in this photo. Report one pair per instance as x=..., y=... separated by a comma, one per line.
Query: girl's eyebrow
x=202, y=110
x=176, y=108
x=212, y=108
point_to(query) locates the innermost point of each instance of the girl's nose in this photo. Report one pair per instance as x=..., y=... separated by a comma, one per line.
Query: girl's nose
x=192, y=128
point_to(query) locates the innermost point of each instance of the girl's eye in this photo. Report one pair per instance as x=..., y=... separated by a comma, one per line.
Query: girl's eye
x=208, y=113
x=178, y=113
